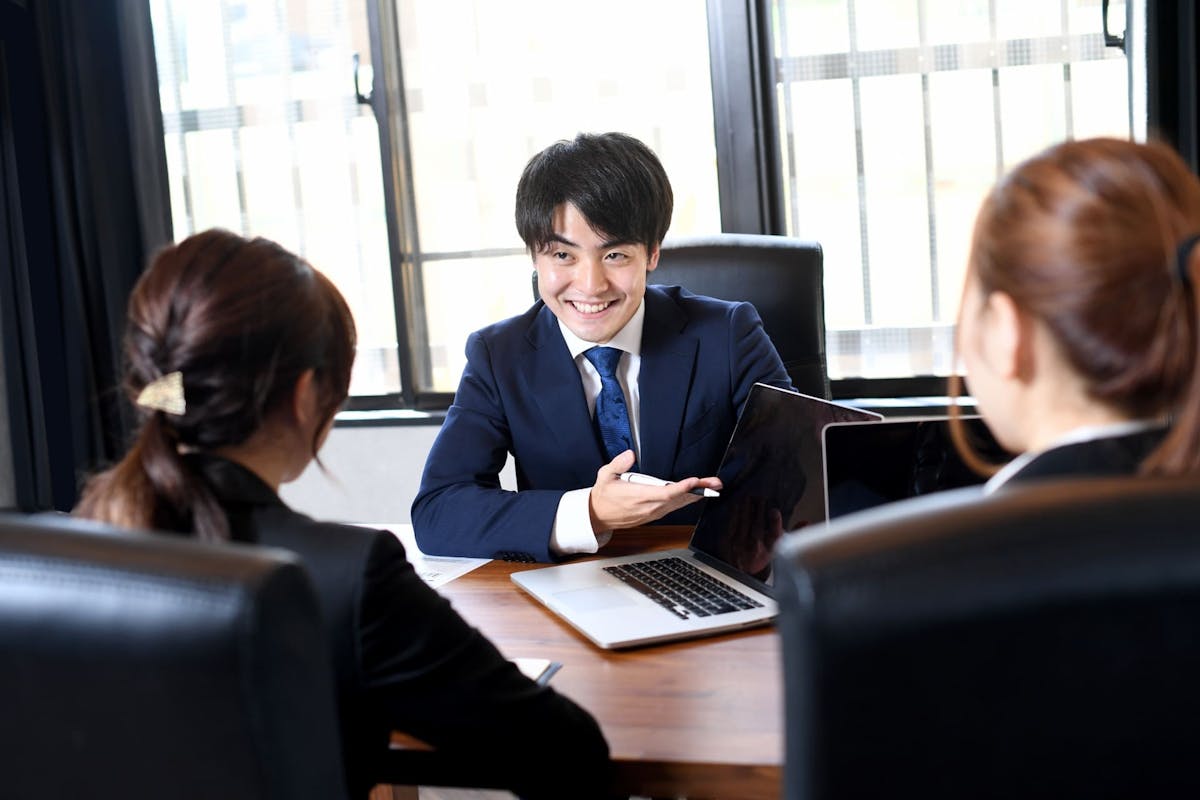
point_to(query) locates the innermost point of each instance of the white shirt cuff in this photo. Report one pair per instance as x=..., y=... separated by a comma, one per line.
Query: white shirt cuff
x=572, y=532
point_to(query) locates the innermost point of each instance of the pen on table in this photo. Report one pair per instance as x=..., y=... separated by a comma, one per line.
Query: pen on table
x=650, y=480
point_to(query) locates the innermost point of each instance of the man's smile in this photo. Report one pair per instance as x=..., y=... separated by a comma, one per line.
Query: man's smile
x=590, y=308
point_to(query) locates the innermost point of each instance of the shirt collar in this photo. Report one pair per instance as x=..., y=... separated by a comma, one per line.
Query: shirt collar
x=629, y=338
x=1086, y=433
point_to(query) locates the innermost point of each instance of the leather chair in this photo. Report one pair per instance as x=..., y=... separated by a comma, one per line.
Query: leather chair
x=147, y=666
x=782, y=277
x=1040, y=642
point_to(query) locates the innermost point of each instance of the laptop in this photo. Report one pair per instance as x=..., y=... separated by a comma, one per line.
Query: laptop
x=868, y=465
x=771, y=473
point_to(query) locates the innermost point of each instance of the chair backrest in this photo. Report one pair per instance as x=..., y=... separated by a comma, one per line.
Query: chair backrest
x=142, y=665
x=782, y=277
x=1040, y=642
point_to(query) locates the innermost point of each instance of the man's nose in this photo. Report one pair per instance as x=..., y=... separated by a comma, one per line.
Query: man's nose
x=593, y=279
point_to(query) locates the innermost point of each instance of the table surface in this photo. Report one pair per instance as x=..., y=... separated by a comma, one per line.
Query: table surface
x=701, y=718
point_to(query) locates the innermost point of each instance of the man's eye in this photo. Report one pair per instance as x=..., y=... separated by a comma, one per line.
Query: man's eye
x=616, y=256
x=561, y=255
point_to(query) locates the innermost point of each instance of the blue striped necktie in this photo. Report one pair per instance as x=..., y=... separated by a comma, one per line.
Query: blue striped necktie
x=612, y=416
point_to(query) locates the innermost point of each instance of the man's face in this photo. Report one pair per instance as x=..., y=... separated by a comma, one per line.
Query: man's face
x=592, y=284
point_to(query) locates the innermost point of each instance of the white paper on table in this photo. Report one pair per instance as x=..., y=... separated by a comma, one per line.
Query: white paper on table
x=434, y=570
x=538, y=670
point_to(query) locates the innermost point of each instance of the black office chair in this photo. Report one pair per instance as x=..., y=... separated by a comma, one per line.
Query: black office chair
x=146, y=666
x=1040, y=642
x=782, y=277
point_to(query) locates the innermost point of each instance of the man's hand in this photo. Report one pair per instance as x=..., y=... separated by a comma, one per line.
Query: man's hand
x=614, y=503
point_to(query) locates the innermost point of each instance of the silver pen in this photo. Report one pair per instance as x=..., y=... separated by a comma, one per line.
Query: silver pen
x=650, y=480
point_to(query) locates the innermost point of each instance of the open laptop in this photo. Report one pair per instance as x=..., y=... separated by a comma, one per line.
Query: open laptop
x=868, y=465
x=771, y=473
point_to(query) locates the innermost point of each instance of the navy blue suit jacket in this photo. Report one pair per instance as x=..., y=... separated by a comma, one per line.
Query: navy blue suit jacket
x=521, y=393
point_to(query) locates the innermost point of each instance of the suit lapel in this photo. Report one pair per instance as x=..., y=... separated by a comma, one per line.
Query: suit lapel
x=552, y=380
x=668, y=360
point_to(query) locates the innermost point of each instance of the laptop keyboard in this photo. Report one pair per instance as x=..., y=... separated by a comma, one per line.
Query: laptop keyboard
x=682, y=589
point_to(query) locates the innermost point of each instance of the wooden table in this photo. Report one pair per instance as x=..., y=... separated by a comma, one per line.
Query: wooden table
x=701, y=719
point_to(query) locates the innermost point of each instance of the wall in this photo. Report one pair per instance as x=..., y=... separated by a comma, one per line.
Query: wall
x=372, y=474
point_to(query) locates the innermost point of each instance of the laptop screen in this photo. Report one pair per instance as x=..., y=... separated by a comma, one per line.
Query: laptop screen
x=868, y=465
x=772, y=477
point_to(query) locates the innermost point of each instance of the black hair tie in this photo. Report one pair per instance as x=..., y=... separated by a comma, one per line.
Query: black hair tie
x=1183, y=257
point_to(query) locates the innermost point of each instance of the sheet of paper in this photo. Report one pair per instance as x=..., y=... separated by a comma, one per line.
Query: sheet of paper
x=540, y=670
x=434, y=570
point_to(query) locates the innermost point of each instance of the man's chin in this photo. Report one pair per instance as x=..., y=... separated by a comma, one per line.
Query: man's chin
x=596, y=332
x=593, y=336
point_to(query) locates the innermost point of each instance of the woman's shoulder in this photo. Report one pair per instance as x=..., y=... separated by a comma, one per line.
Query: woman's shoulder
x=322, y=544
x=1102, y=456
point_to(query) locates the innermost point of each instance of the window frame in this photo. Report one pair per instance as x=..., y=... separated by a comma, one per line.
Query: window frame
x=749, y=168
x=749, y=175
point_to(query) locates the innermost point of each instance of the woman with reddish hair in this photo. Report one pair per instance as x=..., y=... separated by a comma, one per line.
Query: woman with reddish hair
x=1078, y=325
x=238, y=355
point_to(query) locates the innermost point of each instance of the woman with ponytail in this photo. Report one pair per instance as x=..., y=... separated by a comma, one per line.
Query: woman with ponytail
x=1078, y=325
x=238, y=355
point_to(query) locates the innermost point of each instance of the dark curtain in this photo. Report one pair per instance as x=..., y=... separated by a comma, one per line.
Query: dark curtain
x=1172, y=80
x=93, y=205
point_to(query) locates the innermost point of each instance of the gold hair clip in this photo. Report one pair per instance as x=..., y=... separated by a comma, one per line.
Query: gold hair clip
x=164, y=394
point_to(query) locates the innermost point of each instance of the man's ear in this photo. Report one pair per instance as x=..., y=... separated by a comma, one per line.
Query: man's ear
x=1007, y=337
x=652, y=262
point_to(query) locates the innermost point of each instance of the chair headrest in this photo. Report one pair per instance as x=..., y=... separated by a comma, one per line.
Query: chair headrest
x=187, y=654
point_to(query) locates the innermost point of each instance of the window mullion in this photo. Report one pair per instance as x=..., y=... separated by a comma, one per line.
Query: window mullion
x=856, y=93
x=935, y=294
x=996, y=105
x=388, y=103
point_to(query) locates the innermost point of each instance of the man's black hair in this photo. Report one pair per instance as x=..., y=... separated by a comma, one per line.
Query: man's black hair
x=614, y=180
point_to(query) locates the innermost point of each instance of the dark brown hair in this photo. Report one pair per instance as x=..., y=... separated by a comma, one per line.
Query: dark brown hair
x=1083, y=237
x=242, y=320
x=615, y=181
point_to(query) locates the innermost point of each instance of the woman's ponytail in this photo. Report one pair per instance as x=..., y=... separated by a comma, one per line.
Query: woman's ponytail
x=1179, y=453
x=152, y=488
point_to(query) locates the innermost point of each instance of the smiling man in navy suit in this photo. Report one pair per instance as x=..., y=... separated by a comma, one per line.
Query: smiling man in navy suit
x=603, y=375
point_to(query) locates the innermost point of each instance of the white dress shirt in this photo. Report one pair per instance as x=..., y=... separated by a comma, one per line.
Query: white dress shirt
x=572, y=532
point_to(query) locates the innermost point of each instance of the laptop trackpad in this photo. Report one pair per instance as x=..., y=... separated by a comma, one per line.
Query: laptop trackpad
x=594, y=598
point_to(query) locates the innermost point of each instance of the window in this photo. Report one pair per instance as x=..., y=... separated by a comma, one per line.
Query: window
x=486, y=86
x=264, y=137
x=892, y=118
x=895, y=117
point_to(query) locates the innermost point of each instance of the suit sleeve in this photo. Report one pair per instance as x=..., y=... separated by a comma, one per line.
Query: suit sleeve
x=752, y=357
x=460, y=509
x=437, y=678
